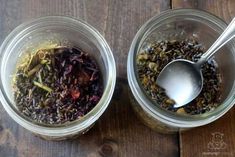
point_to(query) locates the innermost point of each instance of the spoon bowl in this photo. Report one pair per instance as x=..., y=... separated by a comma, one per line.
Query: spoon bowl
x=181, y=80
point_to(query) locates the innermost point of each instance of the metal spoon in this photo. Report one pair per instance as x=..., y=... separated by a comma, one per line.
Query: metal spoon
x=182, y=79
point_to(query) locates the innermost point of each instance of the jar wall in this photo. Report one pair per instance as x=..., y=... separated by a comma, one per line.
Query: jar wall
x=44, y=33
x=180, y=24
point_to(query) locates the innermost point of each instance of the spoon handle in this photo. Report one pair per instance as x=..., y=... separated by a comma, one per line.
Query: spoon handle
x=225, y=37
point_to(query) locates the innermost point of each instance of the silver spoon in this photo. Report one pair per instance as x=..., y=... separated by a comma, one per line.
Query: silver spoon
x=182, y=79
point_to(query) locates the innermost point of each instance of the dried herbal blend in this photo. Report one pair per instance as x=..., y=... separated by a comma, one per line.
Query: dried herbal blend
x=151, y=61
x=58, y=85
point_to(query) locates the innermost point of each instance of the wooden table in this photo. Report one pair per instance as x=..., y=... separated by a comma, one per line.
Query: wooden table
x=118, y=132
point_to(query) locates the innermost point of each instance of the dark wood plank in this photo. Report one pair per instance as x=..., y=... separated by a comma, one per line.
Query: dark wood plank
x=118, y=21
x=118, y=132
x=215, y=139
x=222, y=8
x=218, y=138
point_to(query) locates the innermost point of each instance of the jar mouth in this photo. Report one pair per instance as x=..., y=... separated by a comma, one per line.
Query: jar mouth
x=88, y=119
x=157, y=112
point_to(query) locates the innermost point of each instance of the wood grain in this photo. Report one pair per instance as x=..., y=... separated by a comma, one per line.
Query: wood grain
x=215, y=139
x=218, y=138
x=118, y=21
x=118, y=132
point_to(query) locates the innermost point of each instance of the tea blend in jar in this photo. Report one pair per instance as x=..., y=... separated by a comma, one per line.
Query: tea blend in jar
x=151, y=61
x=58, y=85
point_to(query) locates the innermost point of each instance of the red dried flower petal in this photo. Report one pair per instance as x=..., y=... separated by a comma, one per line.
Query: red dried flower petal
x=75, y=94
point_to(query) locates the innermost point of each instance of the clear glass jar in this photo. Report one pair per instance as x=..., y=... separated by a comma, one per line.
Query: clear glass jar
x=46, y=32
x=180, y=24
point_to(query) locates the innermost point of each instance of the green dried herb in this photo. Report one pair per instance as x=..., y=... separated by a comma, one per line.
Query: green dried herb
x=151, y=61
x=48, y=89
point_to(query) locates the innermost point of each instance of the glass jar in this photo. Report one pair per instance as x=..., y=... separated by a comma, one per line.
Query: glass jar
x=177, y=25
x=46, y=32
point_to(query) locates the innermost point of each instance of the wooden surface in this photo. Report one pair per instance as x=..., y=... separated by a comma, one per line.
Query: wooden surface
x=118, y=132
x=218, y=138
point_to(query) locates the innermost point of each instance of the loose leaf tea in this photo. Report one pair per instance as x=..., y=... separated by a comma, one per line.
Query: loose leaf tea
x=151, y=61
x=58, y=85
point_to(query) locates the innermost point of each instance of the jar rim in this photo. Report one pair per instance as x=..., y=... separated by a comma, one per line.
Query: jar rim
x=87, y=120
x=142, y=100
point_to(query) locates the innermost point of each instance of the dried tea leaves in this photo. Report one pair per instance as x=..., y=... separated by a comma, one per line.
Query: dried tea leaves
x=150, y=62
x=54, y=86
